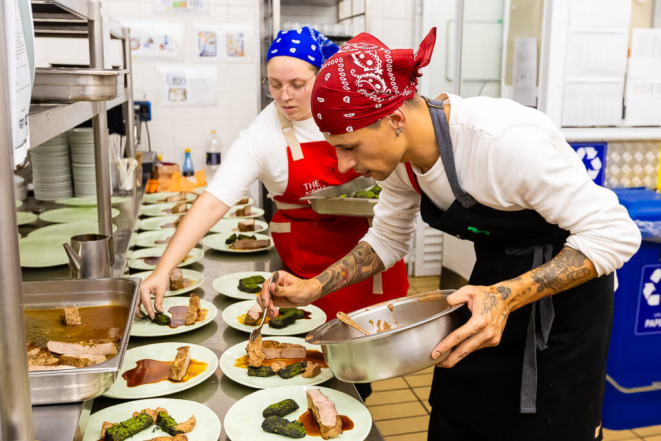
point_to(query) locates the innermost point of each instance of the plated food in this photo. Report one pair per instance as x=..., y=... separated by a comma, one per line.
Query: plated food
x=239, y=226
x=73, y=214
x=231, y=285
x=43, y=251
x=148, y=258
x=158, y=238
x=160, y=223
x=163, y=197
x=245, y=201
x=165, y=209
x=194, y=420
x=244, y=212
x=286, y=360
x=73, y=337
x=244, y=315
x=180, y=315
x=238, y=243
x=184, y=282
x=298, y=412
x=162, y=369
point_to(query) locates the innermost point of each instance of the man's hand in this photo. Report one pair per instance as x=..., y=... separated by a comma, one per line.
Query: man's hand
x=490, y=310
x=155, y=285
x=290, y=292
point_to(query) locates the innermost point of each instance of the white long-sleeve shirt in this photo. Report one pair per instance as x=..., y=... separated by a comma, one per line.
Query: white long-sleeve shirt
x=260, y=152
x=509, y=157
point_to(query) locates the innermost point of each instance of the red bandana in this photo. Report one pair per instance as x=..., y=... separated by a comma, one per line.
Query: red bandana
x=366, y=81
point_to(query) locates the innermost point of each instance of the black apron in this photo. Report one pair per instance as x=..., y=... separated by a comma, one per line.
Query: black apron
x=545, y=380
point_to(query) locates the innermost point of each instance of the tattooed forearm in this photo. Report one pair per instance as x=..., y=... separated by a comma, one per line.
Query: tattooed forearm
x=362, y=262
x=489, y=302
x=504, y=292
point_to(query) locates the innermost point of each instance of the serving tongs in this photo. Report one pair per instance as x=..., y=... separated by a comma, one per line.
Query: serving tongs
x=257, y=333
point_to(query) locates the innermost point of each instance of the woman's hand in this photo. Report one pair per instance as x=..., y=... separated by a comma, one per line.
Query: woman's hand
x=154, y=285
x=290, y=292
x=490, y=309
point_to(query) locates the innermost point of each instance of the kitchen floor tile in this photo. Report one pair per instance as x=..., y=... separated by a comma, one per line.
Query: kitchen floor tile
x=618, y=435
x=648, y=431
x=391, y=397
x=429, y=370
x=401, y=410
x=418, y=436
x=427, y=405
x=419, y=380
x=653, y=438
x=422, y=392
x=403, y=425
x=393, y=383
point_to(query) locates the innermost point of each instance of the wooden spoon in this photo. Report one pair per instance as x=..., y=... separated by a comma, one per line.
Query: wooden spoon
x=344, y=318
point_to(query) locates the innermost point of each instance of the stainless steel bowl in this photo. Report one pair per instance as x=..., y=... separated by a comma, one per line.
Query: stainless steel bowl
x=418, y=323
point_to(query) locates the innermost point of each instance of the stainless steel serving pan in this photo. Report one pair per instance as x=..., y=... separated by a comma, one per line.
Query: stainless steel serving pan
x=73, y=385
x=328, y=200
x=418, y=324
x=69, y=85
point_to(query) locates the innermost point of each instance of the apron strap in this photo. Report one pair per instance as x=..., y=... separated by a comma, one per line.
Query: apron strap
x=535, y=340
x=290, y=136
x=442, y=132
x=412, y=177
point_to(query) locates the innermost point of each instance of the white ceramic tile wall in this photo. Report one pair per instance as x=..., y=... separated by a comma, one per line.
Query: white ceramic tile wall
x=392, y=22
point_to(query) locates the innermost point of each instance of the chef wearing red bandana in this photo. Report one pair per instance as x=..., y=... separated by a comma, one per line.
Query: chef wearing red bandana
x=530, y=361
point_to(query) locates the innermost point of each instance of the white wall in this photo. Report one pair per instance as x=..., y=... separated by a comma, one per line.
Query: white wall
x=392, y=22
x=174, y=129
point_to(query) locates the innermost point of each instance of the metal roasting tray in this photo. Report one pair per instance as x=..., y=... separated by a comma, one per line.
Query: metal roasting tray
x=70, y=85
x=328, y=200
x=80, y=384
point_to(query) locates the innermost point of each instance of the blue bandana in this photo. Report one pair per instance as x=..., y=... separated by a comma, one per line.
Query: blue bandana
x=307, y=44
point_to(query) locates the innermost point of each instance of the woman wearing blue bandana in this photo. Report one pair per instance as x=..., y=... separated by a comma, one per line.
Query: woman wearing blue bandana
x=285, y=150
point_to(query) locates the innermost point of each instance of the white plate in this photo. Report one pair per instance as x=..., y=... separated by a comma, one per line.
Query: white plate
x=43, y=251
x=136, y=263
x=232, y=312
x=89, y=201
x=157, y=223
x=207, y=427
x=199, y=190
x=161, y=352
x=243, y=422
x=217, y=242
x=25, y=217
x=73, y=214
x=149, y=238
x=160, y=209
x=146, y=328
x=195, y=276
x=18, y=203
x=156, y=198
x=250, y=202
x=69, y=229
x=232, y=226
x=228, y=284
x=240, y=375
x=254, y=212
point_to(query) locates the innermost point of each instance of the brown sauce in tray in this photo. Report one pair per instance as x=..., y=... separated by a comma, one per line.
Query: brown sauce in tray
x=313, y=356
x=43, y=325
x=306, y=316
x=312, y=427
x=179, y=316
x=150, y=371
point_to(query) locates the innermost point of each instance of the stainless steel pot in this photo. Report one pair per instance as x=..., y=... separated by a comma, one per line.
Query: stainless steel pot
x=417, y=324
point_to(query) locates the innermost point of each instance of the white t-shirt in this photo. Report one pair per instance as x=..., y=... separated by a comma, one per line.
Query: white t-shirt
x=509, y=157
x=260, y=152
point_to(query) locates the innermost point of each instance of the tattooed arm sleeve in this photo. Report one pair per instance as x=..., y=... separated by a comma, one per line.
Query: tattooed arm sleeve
x=568, y=269
x=362, y=262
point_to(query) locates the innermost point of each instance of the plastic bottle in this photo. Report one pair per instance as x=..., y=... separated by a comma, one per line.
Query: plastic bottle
x=213, y=156
x=188, y=165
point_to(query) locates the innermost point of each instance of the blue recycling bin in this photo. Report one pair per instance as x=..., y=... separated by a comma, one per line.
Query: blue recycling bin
x=593, y=155
x=633, y=386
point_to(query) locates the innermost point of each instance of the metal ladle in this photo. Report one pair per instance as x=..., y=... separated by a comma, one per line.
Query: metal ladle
x=344, y=318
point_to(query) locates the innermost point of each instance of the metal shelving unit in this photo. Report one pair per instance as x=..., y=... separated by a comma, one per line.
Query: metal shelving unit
x=65, y=19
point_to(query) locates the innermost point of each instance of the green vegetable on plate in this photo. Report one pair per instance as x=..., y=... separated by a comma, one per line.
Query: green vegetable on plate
x=128, y=428
x=281, y=408
x=281, y=426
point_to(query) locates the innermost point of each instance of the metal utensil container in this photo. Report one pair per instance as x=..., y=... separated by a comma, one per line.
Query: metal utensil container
x=80, y=384
x=69, y=85
x=418, y=323
x=328, y=200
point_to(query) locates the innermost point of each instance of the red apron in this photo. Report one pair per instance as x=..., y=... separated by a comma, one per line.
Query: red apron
x=308, y=242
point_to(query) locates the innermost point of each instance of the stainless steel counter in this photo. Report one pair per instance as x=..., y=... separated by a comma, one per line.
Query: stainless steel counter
x=218, y=393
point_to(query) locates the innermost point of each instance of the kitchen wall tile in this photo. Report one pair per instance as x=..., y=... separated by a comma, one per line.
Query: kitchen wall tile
x=244, y=105
x=394, y=8
x=161, y=134
x=221, y=111
x=187, y=113
x=162, y=113
x=224, y=132
x=243, y=77
x=243, y=14
x=220, y=13
x=253, y=3
x=138, y=76
x=188, y=133
x=121, y=10
x=377, y=9
x=224, y=84
x=376, y=28
x=147, y=12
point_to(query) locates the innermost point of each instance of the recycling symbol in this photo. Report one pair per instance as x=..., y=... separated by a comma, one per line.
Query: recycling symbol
x=592, y=162
x=649, y=290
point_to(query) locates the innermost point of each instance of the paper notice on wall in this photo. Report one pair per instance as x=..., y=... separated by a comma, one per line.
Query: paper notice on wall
x=20, y=81
x=186, y=6
x=226, y=43
x=155, y=40
x=182, y=85
x=524, y=71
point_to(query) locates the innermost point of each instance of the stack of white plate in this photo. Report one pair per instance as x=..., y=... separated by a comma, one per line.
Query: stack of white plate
x=82, y=161
x=51, y=169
